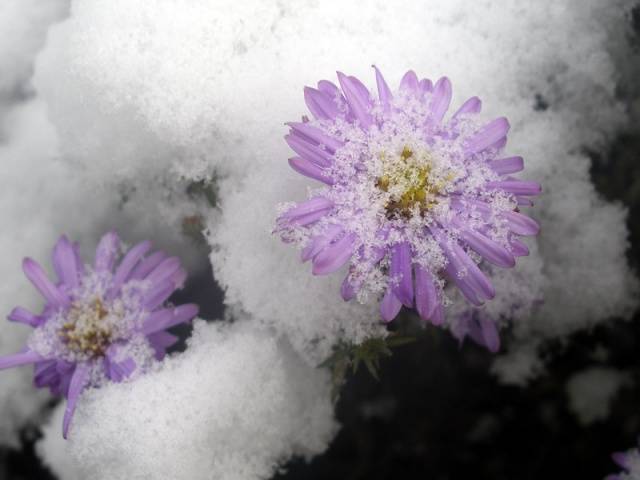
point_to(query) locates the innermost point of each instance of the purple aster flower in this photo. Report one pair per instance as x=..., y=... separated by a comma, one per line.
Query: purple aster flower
x=409, y=200
x=102, y=322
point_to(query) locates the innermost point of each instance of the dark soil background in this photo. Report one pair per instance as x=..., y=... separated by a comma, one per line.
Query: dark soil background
x=438, y=414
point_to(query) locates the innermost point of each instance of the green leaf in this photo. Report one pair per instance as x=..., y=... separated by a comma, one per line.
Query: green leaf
x=348, y=357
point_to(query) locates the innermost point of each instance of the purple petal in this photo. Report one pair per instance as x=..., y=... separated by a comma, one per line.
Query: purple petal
x=524, y=202
x=38, y=277
x=330, y=89
x=179, y=277
x=158, y=294
x=167, y=268
x=79, y=262
x=118, y=371
x=488, y=135
x=106, y=252
x=302, y=212
x=122, y=370
x=309, y=218
x=17, y=359
x=46, y=374
x=462, y=282
x=455, y=270
x=348, y=290
x=167, y=318
x=401, y=271
x=489, y=333
x=441, y=99
x=334, y=256
x=320, y=105
x=156, y=320
x=22, y=315
x=517, y=187
x=362, y=90
x=160, y=341
x=472, y=105
x=438, y=315
x=518, y=248
x=305, y=130
x=313, y=153
x=357, y=97
x=319, y=243
x=65, y=369
x=521, y=224
x=183, y=314
x=127, y=265
x=620, y=458
x=78, y=382
x=504, y=166
x=463, y=271
x=147, y=265
x=488, y=249
x=426, y=294
x=309, y=169
x=426, y=85
x=384, y=93
x=478, y=279
x=64, y=262
x=350, y=286
x=409, y=82
x=389, y=306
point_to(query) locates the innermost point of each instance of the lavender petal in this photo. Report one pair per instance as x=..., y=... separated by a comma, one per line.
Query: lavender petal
x=64, y=262
x=35, y=273
x=488, y=135
x=18, y=359
x=106, y=252
x=78, y=382
x=310, y=169
x=384, y=93
x=334, y=256
x=356, y=98
x=390, y=306
x=441, y=99
x=471, y=105
x=507, y=165
x=22, y=315
x=401, y=271
x=321, y=106
x=425, y=291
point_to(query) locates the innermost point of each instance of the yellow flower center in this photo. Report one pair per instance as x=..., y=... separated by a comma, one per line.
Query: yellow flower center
x=87, y=330
x=411, y=183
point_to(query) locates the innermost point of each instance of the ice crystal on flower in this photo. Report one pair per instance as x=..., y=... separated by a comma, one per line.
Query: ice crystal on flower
x=412, y=201
x=101, y=322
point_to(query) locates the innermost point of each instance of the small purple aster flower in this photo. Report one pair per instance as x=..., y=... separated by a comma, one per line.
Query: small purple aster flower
x=100, y=323
x=411, y=201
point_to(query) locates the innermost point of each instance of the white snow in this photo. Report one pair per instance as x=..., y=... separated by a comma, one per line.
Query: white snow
x=134, y=99
x=235, y=405
x=591, y=391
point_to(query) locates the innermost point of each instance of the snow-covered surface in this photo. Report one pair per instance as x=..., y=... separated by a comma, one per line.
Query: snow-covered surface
x=132, y=100
x=23, y=25
x=235, y=405
x=150, y=92
x=591, y=391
